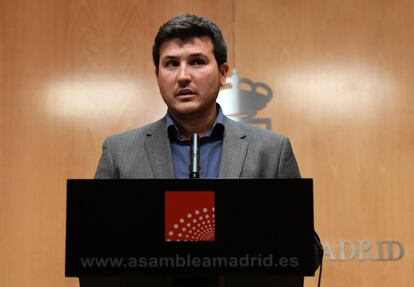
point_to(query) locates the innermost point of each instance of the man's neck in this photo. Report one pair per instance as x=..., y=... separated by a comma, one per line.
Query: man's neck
x=199, y=123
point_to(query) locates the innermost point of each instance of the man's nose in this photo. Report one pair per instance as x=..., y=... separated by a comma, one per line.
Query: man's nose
x=184, y=76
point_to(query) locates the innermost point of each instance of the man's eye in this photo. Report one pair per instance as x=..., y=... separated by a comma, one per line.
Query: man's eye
x=198, y=62
x=171, y=64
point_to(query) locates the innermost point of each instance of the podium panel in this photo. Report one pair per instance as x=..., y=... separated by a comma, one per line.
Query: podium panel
x=199, y=227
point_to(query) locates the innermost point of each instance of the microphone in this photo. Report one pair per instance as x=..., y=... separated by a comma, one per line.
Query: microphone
x=195, y=156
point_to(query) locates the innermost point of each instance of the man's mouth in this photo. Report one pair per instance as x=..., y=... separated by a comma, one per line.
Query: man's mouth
x=185, y=92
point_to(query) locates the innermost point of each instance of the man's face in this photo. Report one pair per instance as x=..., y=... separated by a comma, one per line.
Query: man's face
x=188, y=76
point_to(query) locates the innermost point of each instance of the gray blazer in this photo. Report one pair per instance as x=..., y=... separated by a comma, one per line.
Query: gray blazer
x=248, y=152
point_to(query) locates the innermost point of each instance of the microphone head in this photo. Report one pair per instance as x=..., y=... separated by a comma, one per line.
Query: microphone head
x=195, y=143
x=195, y=156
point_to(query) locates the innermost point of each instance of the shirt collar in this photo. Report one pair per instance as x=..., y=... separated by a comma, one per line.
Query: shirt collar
x=216, y=131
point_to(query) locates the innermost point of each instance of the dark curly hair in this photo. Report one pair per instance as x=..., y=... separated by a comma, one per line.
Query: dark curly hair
x=186, y=26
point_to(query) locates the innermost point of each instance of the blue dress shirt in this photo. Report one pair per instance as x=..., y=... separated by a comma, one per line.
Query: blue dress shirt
x=211, y=146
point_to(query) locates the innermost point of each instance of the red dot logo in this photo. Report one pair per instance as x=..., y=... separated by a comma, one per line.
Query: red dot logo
x=189, y=216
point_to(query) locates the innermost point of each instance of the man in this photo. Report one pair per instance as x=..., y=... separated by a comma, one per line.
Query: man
x=190, y=58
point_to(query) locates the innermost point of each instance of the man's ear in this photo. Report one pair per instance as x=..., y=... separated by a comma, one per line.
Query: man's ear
x=223, y=70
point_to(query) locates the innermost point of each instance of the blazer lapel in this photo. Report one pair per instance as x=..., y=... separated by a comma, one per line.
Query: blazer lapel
x=234, y=151
x=158, y=149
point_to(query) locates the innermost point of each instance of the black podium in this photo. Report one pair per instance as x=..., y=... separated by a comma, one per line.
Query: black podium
x=149, y=232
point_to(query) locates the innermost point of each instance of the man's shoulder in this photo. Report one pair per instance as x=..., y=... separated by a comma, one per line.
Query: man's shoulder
x=254, y=133
x=136, y=134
